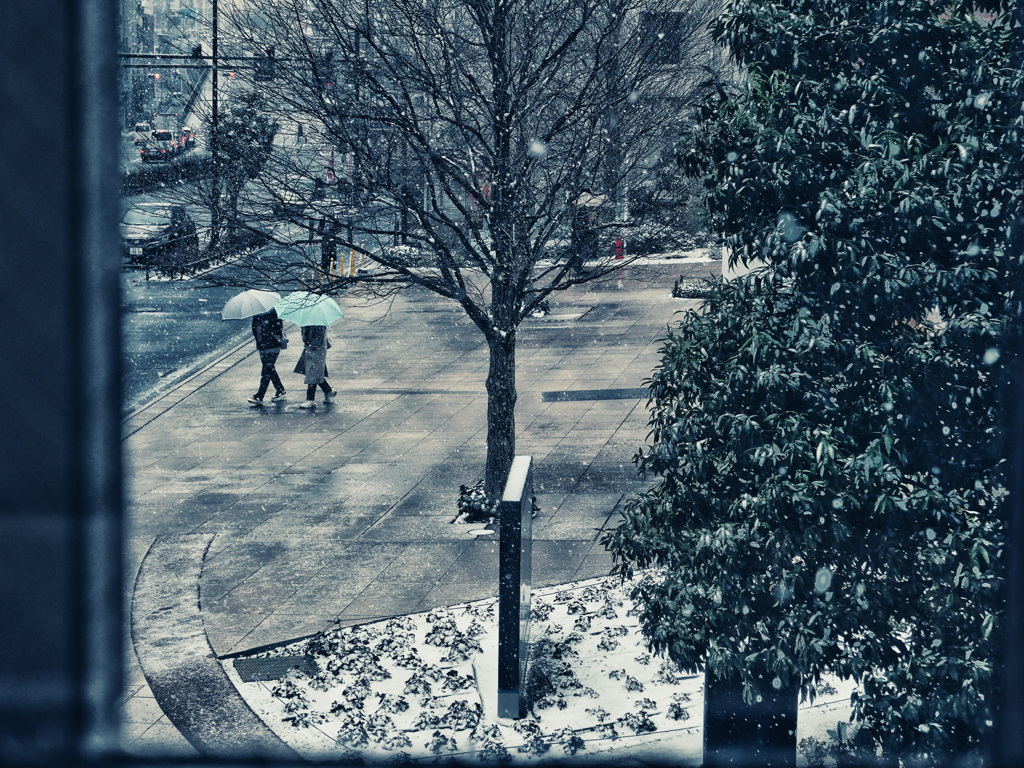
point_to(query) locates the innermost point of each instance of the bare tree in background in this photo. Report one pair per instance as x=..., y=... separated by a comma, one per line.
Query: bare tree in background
x=482, y=149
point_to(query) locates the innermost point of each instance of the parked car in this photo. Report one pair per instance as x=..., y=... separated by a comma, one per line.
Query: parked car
x=158, y=235
x=161, y=146
x=141, y=133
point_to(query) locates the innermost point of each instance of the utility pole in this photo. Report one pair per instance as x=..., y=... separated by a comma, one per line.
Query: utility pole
x=213, y=105
x=215, y=217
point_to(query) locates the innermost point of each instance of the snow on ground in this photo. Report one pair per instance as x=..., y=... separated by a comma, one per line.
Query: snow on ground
x=695, y=255
x=425, y=686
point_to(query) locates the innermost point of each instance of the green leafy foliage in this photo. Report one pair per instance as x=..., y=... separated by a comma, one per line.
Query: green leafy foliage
x=244, y=138
x=825, y=434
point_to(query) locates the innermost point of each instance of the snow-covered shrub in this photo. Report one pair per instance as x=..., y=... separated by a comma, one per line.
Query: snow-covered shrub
x=426, y=720
x=563, y=650
x=444, y=633
x=392, y=704
x=461, y=649
x=357, y=692
x=455, y=682
x=397, y=740
x=407, y=657
x=573, y=743
x=676, y=711
x=305, y=719
x=540, y=610
x=667, y=672
x=417, y=685
x=483, y=611
x=462, y=715
x=534, y=742
x=393, y=642
x=474, y=506
x=638, y=722
x=323, y=644
x=493, y=751
x=352, y=732
x=440, y=742
x=576, y=607
x=380, y=726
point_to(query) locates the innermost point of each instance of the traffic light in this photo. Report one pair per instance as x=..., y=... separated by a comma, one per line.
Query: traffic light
x=323, y=70
x=197, y=51
x=265, y=68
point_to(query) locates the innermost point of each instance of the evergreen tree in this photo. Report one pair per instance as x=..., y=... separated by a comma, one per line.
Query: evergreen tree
x=825, y=434
x=244, y=135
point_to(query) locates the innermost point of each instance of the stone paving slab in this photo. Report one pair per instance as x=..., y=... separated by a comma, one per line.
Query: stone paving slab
x=343, y=514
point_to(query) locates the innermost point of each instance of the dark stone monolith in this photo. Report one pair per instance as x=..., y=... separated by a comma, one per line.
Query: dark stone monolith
x=514, y=551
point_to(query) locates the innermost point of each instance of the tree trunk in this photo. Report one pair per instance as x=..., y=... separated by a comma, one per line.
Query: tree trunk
x=216, y=215
x=501, y=412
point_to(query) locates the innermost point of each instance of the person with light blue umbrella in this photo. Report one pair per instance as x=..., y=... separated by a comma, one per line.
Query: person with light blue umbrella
x=312, y=364
x=313, y=313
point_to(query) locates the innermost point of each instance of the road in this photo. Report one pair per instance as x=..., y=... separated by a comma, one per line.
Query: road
x=170, y=328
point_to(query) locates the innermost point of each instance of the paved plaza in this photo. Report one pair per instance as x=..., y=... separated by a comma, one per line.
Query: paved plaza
x=293, y=521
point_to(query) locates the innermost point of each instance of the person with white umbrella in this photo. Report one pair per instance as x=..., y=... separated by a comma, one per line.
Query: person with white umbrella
x=268, y=330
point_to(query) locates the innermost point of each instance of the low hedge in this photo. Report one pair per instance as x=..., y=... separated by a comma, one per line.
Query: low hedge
x=147, y=177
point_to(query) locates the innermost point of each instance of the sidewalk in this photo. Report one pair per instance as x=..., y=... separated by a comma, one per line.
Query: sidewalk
x=344, y=514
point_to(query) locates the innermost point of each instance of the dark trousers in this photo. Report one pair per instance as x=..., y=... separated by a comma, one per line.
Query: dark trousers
x=311, y=389
x=268, y=373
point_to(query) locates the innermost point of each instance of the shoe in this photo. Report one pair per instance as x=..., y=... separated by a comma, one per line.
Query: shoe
x=306, y=404
x=330, y=395
x=282, y=395
x=256, y=400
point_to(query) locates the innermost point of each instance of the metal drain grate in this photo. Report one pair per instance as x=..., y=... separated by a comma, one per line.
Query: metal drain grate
x=273, y=668
x=636, y=393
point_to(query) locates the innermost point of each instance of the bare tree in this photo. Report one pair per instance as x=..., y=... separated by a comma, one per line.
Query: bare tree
x=482, y=149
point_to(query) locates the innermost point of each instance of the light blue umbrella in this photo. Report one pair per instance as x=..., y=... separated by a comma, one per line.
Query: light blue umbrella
x=305, y=308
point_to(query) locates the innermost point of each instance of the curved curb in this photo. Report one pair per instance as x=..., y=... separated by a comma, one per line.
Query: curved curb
x=178, y=661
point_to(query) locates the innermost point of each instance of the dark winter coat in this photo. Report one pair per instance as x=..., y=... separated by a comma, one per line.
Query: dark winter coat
x=313, y=362
x=268, y=330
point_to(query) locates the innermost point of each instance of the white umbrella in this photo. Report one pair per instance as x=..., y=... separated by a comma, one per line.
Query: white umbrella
x=249, y=303
x=304, y=308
